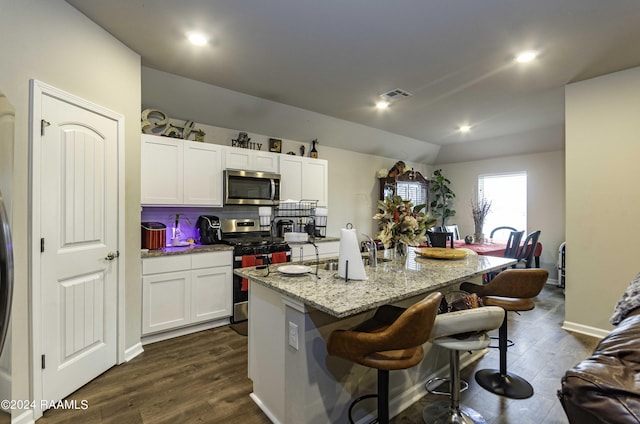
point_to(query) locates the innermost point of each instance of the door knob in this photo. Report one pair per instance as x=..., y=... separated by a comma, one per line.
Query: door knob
x=112, y=255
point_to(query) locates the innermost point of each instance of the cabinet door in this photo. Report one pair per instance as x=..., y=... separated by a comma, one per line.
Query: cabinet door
x=211, y=293
x=236, y=158
x=161, y=171
x=202, y=174
x=166, y=301
x=290, y=177
x=265, y=161
x=315, y=173
x=325, y=250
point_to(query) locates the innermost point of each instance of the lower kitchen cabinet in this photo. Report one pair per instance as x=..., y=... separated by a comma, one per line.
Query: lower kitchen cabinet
x=326, y=249
x=183, y=290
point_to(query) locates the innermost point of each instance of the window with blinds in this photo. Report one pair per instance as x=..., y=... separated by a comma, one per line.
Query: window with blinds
x=508, y=196
x=414, y=191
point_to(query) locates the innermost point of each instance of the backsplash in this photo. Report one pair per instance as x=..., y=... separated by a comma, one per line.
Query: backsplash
x=189, y=216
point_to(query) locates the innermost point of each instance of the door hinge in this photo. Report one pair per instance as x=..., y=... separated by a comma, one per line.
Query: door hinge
x=43, y=124
x=42, y=245
x=42, y=361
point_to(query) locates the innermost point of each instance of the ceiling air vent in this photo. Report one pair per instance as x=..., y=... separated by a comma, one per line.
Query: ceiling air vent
x=395, y=95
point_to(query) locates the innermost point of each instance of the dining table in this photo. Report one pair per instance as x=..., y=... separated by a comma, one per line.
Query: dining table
x=494, y=248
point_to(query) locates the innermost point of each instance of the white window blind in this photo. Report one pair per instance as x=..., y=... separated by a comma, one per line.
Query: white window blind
x=413, y=191
x=508, y=196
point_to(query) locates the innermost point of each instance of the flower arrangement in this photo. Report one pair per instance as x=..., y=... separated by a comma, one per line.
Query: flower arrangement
x=480, y=208
x=401, y=222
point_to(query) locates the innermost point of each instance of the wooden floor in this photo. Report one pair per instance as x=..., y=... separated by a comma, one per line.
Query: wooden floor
x=202, y=378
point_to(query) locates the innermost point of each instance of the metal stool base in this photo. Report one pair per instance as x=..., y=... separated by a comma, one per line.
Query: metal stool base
x=441, y=413
x=509, y=385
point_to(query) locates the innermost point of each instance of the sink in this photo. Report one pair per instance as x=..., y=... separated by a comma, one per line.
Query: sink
x=331, y=264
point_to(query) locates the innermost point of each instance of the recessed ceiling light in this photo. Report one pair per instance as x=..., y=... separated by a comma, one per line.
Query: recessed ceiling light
x=527, y=56
x=382, y=104
x=464, y=128
x=197, y=38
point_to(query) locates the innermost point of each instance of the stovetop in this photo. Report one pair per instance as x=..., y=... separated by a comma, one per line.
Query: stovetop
x=248, y=238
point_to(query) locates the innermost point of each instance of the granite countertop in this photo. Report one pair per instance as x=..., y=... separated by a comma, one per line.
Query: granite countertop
x=332, y=295
x=182, y=250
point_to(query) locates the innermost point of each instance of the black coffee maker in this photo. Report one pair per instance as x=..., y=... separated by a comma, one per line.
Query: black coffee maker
x=208, y=227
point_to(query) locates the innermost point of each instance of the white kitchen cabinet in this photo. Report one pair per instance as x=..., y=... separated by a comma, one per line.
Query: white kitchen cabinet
x=304, y=179
x=183, y=290
x=161, y=170
x=202, y=174
x=180, y=172
x=251, y=160
x=326, y=249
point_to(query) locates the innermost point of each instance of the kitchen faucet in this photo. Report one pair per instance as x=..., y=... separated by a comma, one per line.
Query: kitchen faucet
x=373, y=251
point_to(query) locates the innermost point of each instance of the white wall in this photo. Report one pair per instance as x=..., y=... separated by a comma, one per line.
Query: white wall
x=353, y=183
x=545, y=196
x=50, y=41
x=603, y=195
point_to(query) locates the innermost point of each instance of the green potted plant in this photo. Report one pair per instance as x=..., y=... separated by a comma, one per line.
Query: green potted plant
x=442, y=196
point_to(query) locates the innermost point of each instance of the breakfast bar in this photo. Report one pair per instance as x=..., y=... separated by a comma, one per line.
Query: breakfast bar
x=292, y=315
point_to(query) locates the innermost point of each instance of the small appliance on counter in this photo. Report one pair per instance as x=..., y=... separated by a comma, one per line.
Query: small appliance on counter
x=154, y=235
x=208, y=228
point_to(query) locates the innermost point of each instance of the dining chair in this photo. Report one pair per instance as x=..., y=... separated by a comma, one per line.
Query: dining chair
x=453, y=229
x=439, y=238
x=495, y=230
x=511, y=251
x=513, y=244
x=528, y=249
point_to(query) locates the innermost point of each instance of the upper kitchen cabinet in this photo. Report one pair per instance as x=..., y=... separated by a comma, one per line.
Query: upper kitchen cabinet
x=304, y=179
x=250, y=160
x=180, y=172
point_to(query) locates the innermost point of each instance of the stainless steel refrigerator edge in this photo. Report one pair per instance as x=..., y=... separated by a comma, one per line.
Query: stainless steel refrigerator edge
x=7, y=121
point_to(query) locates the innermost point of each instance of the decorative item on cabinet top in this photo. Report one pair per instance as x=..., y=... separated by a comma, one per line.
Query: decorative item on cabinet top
x=244, y=142
x=156, y=122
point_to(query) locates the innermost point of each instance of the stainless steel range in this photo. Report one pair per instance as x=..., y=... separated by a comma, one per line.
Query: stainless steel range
x=251, y=246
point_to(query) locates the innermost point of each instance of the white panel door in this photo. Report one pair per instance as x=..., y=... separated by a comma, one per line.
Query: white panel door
x=79, y=225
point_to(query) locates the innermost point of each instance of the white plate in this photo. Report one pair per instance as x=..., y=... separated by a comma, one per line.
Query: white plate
x=294, y=269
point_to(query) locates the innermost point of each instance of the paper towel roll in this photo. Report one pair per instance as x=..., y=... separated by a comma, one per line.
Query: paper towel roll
x=349, y=251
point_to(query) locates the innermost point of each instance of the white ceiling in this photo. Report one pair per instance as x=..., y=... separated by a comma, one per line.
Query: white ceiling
x=335, y=57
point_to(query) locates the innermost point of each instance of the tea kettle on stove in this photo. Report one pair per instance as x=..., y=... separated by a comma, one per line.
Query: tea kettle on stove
x=208, y=227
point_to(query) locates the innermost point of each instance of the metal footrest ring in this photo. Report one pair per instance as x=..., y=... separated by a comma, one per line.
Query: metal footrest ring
x=431, y=389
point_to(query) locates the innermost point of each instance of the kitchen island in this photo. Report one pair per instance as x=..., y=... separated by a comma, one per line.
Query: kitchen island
x=291, y=317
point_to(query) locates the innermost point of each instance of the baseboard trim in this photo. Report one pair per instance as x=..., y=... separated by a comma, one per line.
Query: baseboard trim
x=133, y=351
x=264, y=408
x=25, y=418
x=158, y=337
x=552, y=281
x=585, y=329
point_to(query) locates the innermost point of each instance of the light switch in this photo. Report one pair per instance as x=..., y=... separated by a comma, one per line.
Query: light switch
x=293, y=335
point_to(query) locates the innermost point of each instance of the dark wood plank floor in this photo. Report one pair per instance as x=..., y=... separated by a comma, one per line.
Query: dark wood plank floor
x=202, y=378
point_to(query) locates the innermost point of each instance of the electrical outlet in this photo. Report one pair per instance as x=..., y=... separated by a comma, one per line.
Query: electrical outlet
x=293, y=335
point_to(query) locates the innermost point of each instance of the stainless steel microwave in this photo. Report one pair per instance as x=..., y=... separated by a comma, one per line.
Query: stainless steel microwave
x=251, y=188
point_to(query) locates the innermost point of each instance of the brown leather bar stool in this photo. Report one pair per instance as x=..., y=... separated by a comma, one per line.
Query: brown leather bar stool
x=391, y=340
x=512, y=290
x=457, y=331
